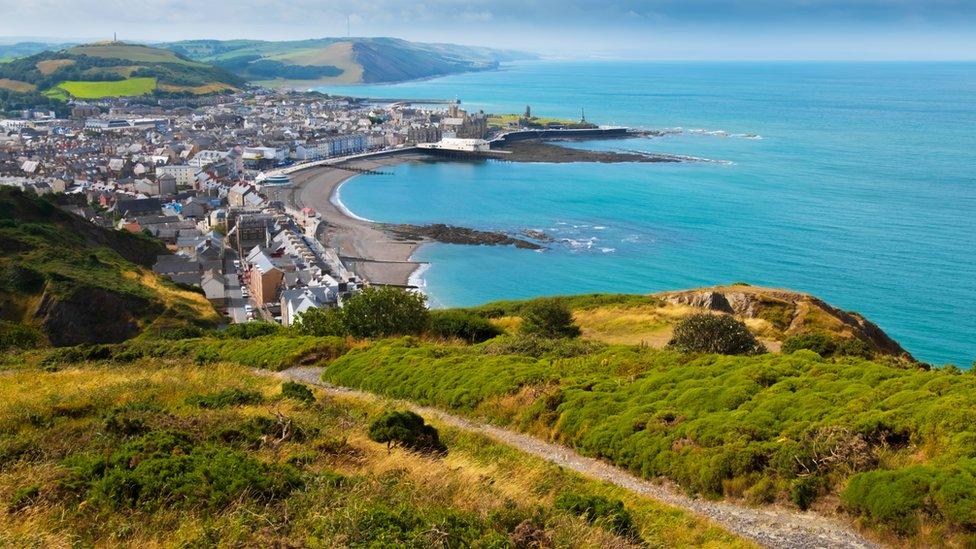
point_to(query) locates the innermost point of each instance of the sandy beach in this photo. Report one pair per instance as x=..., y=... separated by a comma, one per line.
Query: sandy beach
x=372, y=253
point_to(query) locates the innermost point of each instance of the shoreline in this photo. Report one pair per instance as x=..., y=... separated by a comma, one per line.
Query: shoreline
x=367, y=249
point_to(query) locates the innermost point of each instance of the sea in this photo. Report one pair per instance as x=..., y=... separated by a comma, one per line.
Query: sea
x=855, y=182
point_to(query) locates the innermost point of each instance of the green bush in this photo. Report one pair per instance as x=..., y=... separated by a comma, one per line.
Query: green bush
x=599, y=510
x=385, y=312
x=249, y=330
x=899, y=500
x=804, y=491
x=461, y=325
x=14, y=335
x=297, y=391
x=548, y=318
x=719, y=334
x=165, y=469
x=823, y=344
x=408, y=430
x=321, y=323
x=827, y=345
x=538, y=347
x=225, y=398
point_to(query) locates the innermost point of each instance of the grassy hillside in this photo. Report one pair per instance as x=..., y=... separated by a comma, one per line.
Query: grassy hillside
x=890, y=445
x=165, y=453
x=885, y=442
x=65, y=281
x=338, y=60
x=111, y=69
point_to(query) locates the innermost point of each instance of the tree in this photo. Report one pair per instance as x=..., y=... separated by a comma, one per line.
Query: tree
x=462, y=325
x=408, y=430
x=384, y=312
x=321, y=322
x=721, y=334
x=548, y=318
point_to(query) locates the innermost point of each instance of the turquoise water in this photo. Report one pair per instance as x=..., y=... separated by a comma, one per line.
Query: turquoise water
x=861, y=190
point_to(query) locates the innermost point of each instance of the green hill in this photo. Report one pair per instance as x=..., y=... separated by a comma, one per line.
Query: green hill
x=64, y=281
x=341, y=60
x=168, y=453
x=112, y=69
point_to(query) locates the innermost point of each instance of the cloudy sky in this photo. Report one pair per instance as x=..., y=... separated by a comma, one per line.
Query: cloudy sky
x=653, y=29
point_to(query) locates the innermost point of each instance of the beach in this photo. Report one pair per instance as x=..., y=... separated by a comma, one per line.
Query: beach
x=372, y=253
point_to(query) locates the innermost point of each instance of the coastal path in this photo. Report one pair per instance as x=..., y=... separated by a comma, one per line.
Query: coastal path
x=768, y=526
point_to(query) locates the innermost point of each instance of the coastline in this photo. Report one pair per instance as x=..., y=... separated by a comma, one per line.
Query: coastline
x=368, y=250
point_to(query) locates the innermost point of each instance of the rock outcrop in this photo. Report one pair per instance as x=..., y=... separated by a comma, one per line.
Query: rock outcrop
x=789, y=313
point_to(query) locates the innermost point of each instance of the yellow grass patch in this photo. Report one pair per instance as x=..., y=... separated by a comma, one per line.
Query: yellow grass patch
x=49, y=66
x=215, y=87
x=16, y=85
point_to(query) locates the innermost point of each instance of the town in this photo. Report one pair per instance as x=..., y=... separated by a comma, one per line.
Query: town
x=204, y=175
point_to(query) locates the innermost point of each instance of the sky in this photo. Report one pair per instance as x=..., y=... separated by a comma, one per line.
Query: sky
x=647, y=29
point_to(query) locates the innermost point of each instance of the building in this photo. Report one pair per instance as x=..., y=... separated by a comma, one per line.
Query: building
x=264, y=276
x=185, y=176
x=297, y=301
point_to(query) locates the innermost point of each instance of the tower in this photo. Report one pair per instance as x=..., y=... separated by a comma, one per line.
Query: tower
x=528, y=112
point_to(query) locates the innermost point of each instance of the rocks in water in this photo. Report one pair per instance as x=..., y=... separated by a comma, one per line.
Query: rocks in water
x=450, y=234
x=548, y=152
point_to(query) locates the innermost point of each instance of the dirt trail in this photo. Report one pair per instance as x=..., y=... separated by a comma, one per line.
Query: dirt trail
x=769, y=527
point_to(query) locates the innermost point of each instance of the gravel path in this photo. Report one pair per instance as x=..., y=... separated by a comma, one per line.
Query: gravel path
x=769, y=527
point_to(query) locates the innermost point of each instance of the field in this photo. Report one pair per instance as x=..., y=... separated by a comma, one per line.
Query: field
x=503, y=120
x=16, y=85
x=168, y=453
x=130, y=52
x=49, y=66
x=123, y=88
x=215, y=87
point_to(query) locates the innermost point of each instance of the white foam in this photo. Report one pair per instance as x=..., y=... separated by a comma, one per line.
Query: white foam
x=336, y=200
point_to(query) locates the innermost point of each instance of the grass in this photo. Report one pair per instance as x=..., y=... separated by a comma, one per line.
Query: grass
x=340, y=489
x=16, y=85
x=130, y=52
x=50, y=66
x=504, y=120
x=122, y=88
x=50, y=258
x=747, y=428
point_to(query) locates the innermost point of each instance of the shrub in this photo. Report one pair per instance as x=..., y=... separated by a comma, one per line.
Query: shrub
x=385, y=312
x=249, y=330
x=14, y=335
x=321, y=323
x=225, y=398
x=461, y=325
x=538, y=347
x=598, y=509
x=548, y=318
x=827, y=345
x=297, y=391
x=408, y=430
x=167, y=469
x=804, y=491
x=822, y=344
x=719, y=334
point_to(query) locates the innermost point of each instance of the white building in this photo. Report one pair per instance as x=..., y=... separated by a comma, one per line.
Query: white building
x=184, y=175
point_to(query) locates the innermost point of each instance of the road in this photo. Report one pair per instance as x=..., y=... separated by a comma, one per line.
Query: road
x=235, y=302
x=769, y=526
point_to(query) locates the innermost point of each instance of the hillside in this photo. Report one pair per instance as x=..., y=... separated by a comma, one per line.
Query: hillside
x=169, y=453
x=882, y=443
x=111, y=69
x=774, y=315
x=341, y=60
x=64, y=281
